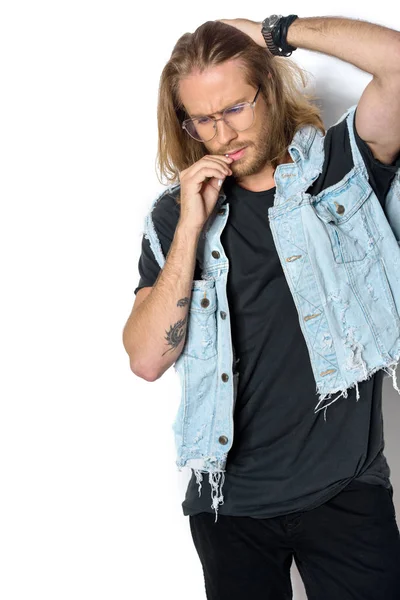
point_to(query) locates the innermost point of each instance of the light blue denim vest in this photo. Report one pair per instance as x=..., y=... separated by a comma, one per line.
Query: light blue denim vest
x=341, y=259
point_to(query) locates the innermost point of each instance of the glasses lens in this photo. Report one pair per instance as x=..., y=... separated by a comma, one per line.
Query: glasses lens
x=201, y=129
x=239, y=117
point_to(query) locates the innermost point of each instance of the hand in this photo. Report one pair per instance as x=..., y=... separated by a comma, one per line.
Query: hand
x=252, y=28
x=200, y=189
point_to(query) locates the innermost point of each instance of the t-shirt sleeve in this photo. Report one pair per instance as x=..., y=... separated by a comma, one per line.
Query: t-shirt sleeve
x=380, y=174
x=165, y=218
x=339, y=161
x=148, y=267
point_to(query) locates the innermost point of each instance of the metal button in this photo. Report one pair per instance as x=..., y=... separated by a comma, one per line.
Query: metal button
x=225, y=377
x=339, y=208
x=223, y=314
x=223, y=439
x=215, y=253
x=204, y=302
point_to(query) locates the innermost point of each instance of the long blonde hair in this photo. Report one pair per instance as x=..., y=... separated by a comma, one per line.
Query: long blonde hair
x=210, y=45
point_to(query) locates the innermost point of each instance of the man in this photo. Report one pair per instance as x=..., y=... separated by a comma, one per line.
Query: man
x=284, y=281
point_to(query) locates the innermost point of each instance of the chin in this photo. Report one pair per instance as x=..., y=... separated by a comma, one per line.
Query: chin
x=243, y=171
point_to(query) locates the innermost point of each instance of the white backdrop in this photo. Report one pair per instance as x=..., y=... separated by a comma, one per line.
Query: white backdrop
x=90, y=499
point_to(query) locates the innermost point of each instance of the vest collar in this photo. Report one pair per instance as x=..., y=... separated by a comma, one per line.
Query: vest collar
x=299, y=149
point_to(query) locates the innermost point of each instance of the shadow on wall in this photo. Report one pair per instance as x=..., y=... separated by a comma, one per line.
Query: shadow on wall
x=391, y=423
x=332, y=98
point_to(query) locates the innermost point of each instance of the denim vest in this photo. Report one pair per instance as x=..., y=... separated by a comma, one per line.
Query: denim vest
x=341, y=259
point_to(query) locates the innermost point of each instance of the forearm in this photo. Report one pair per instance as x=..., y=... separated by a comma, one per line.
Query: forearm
x=156, y=331
x=372, y=48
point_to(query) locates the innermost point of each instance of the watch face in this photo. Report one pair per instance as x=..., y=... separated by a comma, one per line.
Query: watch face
x=271, y=21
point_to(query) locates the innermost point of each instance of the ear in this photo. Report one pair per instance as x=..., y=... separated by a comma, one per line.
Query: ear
x=269, y=75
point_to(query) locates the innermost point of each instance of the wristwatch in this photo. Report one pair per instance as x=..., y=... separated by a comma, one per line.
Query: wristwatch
x=268, y=25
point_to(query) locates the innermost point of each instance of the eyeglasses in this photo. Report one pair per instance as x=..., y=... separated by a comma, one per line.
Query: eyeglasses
x=239, y=117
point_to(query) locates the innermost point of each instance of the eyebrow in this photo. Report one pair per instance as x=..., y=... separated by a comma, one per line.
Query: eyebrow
x=244, y=99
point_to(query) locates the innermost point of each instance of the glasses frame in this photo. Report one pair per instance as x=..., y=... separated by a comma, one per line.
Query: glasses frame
x=251, y=104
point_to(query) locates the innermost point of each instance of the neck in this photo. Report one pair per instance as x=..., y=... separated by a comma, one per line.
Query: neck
x=264, y=180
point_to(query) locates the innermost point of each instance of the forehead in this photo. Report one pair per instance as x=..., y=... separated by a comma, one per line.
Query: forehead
x=216, y=88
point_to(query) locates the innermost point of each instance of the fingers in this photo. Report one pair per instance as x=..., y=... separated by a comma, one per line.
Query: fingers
x=207, y=171
x=213, y=162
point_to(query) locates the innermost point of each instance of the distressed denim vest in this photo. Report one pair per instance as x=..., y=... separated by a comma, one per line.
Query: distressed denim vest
x=340, y=255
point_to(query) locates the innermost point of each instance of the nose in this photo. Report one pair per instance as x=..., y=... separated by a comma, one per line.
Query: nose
x=225, y=134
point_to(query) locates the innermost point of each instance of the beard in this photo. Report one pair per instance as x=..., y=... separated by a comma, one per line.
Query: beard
x=258, y=155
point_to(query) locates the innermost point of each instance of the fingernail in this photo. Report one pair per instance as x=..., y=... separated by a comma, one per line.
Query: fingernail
x=219, y=182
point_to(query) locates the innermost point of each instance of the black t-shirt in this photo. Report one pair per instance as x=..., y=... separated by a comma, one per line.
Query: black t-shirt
x=284, y=457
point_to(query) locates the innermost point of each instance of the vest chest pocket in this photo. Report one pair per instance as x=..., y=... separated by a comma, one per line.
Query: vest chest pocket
x=348, y=219
x=201, y=334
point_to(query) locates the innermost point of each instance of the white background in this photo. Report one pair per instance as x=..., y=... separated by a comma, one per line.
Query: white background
x=90, y=497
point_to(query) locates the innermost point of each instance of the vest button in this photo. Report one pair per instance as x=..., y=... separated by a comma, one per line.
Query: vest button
x=223, y=314
x=204, y=302
x=223, y=439
x=339, y=208
x=225, y=377
x=221, y=211
x=215, y=253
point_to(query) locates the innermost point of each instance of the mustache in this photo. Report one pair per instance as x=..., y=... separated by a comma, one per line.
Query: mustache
x=229, y=151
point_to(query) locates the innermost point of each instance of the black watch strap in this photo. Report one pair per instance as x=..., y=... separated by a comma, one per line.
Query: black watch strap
x=276, y=39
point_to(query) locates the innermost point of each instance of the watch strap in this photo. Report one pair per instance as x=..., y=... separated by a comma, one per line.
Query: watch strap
x=279, y=34
x=276, y=38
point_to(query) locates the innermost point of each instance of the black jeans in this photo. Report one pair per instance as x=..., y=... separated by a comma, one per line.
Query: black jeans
x=345, y=549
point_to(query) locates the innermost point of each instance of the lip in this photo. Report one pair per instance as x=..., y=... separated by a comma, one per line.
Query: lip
x=237, y=153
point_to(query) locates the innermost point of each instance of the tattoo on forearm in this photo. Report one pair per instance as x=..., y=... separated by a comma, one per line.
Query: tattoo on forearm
x=183, y=302
x=177, y=332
